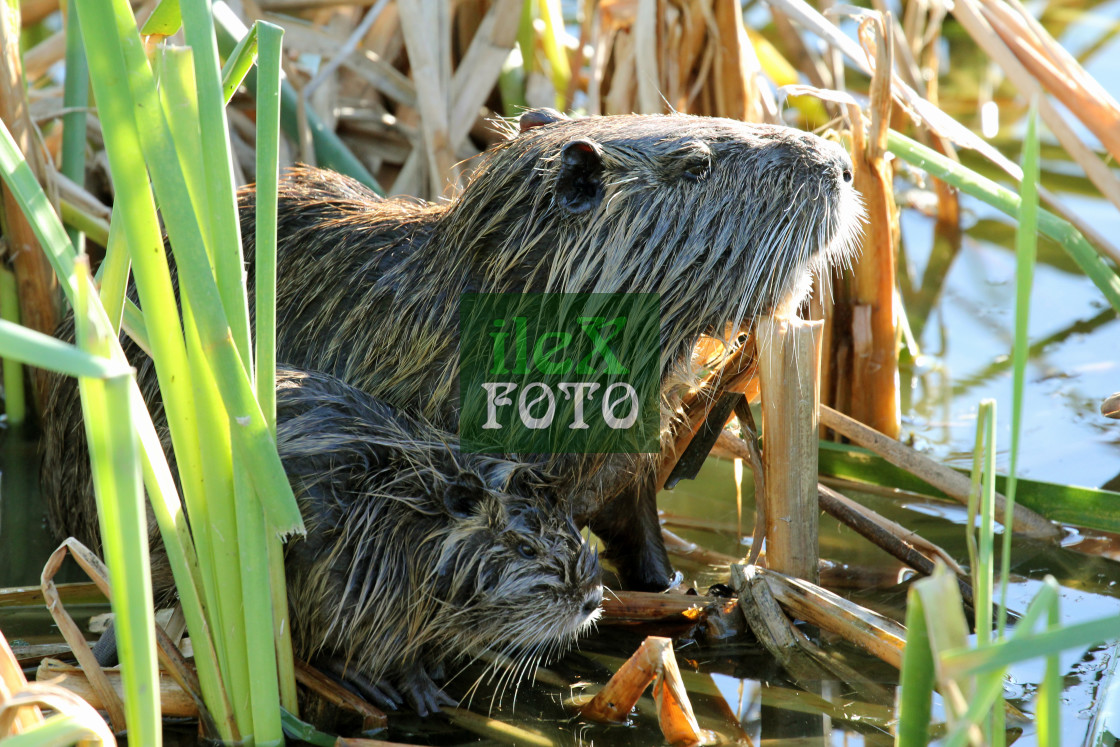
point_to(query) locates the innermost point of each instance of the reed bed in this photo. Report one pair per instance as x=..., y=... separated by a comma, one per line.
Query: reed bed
x=401, y=95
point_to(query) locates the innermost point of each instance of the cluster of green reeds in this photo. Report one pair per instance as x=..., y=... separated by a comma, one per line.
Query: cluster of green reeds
x=970, y=677
x=162, y=115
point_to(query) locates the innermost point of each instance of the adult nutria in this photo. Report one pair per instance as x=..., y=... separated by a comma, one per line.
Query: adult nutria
x=723, y=220
x=417, y=557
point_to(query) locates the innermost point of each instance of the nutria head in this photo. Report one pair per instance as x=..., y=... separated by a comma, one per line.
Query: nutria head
x=723, y=219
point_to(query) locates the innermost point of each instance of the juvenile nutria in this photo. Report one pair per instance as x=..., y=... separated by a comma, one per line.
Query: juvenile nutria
x=723, y=220
x=418, y=558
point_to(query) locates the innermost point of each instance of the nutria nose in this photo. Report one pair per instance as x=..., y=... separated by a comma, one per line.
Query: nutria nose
x=593, y=600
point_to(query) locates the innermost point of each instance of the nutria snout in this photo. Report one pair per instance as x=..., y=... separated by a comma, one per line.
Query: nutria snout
x=417, y=558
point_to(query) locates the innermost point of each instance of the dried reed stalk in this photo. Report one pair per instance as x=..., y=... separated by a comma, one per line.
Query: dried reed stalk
x=37, y=288
x=863, y=379
x=336, y=695
x=950, y=482
x=1057, y=70
x=11, y=682
x=972, y=17
x=108, y=698
x=789, y=364
x=878, y=635
x=737, y=372
x=693, y=56
x=655, y=663
x=174, y=702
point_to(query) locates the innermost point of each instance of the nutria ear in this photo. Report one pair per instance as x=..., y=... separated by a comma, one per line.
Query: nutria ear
x=463, y=494
x=579, y=185
x=537, y=117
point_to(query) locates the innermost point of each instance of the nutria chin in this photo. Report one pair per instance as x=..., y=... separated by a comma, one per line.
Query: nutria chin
x=723, y=220
x=417, y=558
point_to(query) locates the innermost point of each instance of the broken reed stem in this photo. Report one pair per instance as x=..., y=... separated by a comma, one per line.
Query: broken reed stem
x=948, y=481
x=885, y=534
x=334, y=694
x=174, y=701
x=738, y=372
x=789, y=365
x=874, y=375
x=878, y=635
x=614, y=702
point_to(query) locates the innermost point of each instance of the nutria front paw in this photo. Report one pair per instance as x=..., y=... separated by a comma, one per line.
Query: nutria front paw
x=380, y=693
x=417, y=688
x=423, y=694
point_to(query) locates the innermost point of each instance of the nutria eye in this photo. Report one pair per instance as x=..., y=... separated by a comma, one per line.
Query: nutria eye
x=527, y=551
x=847, y=176
x=697, y=170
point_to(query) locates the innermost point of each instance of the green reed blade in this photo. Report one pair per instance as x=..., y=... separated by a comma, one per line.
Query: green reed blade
x=221, y=216
x=75, y=99
x=1033, y=645
x=267, y=178
x=1026, y=249
x=132, y=321
x=15, y=398
x=178, y=96
x=916, y=680
x=223, y=540
x=982, y=188
x=36, y=349
x=1066, y=504
x=1048, y=711
x=63, y=729
x=141, y=229
x=984, y=577
x=257, y=608
x=330, y=151
x=78, y=218
x=218, y=535
x=114, y=271
x=988, y=690
x=247, y=423
x=216, y=532
x=114, y=455
x=161, y=485
x=239, y=63
x=165, y=20
x=305, y=732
